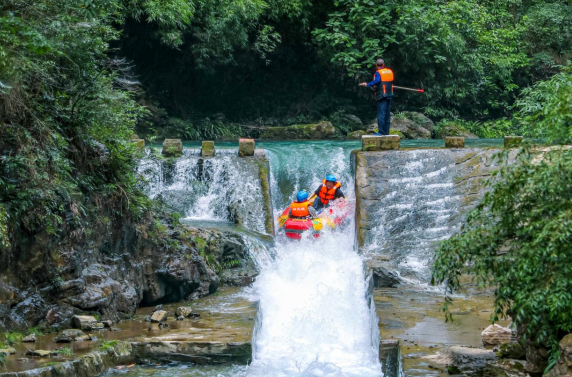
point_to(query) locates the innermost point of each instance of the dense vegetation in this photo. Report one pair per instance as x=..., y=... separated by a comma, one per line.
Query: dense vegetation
x=267, y=62
x=518, y=239
x=78, y=77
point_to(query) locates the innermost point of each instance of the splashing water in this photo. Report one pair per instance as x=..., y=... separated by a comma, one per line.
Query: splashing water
x=316, y=317
x=220, y=188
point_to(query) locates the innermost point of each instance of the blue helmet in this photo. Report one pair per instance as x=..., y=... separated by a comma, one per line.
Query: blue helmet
x=331, y=178
x=302, y=196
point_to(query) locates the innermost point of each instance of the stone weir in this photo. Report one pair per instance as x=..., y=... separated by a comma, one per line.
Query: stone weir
x=410, y=199
x=219, y=186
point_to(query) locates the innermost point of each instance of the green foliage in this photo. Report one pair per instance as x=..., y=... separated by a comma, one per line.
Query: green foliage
x=64, y=351
x=518, y=238
x=11, y=338
x=36, y=331
x=65, y=154
x=492, y=129
x=107, y=345
x=544, y=109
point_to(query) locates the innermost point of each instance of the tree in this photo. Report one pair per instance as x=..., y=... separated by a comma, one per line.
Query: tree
x=518, y=238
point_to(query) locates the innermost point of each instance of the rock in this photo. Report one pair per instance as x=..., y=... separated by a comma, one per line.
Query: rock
x=246, y=147
x=159, y=307
x=73, y=333
x=495, y=335
x=84, y=322
x=512, y=141
x=454, y=142
x=159, y=316
x=63, y=338
x=29, y=312
x=536, y=355
x=172, y=148
x=420, y=119
x=382, y=277
x=470, y=361
x=7, y=351
x=83, y=338
x=563, y=367
x=115, y=329
x=163, y=325
x=183, y=311
x=322, y=130
x=180, y=318
x=139, y=143
x=511, y=350
x=379, y=143
x=453, y=129
x=107, y=323
x=38, y=353
x=148, y=318
x=207, y=149
x=352, y=121
x=409, y=128
x=356, y=135
x=29, y=338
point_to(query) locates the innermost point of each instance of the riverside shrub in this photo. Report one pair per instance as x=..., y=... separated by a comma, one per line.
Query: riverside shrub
x=518, y=238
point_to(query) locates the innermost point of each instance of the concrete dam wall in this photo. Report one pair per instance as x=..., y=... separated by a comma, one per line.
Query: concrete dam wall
x=407, y=201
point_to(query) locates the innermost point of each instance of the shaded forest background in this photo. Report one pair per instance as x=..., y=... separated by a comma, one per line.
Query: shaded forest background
x=276, y=62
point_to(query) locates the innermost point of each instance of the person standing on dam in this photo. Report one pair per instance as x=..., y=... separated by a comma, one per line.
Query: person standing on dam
x=383, y=92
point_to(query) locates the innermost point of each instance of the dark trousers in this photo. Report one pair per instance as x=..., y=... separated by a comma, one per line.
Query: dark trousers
x=318, y=205
x=383, y=115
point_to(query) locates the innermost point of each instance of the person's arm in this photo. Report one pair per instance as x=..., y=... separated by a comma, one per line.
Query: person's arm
x=313, y=212
x=376, y=81
x=317, y=192
x=339, y=194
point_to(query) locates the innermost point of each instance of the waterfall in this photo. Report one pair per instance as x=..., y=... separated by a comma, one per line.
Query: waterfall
x=316, y=316
x=418, y=206
x=221, y=188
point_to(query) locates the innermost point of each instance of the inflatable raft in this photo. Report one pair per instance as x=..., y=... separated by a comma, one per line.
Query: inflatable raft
x=331, y=217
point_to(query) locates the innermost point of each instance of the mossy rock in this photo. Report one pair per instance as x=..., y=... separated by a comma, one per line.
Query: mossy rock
x=398, y=133
x=453, y=129
x=511, y=351
x=322, y=130
x=356, y=135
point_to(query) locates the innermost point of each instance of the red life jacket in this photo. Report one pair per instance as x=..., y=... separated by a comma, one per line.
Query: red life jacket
x=385, y=88
x=300, y=209
x=327, y=195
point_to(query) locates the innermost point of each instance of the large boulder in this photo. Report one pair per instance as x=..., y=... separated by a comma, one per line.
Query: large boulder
x=159, y=316
x=420, y=119
x=322, y=130
x=563, y=367
x=183, y=311
x=353, y=121
x=356, y=135
x=409, y=124
x=409, y=128
x=382, y=277
x=29, y=312
x=495, y=335
x=84, y=322
x=453, y=129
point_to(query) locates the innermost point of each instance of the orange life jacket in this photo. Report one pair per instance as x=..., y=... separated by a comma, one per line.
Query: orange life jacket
x=327, y=195
x=300, y=209
x=385, y=88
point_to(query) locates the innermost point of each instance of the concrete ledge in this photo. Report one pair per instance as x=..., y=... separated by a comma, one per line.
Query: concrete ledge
x=390, y=357
x=207, y=149
x=245, y=147
x=379, y=143
x=195, y=352
x=512, y=141
x=172, y=148
x=454, y=142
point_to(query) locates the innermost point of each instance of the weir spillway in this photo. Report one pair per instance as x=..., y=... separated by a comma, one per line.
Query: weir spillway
x=316, y=314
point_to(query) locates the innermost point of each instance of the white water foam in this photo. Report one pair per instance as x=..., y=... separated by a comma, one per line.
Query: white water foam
x=314, y=315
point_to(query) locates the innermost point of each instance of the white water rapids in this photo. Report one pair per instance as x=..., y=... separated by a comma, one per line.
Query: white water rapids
x=316, y=315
